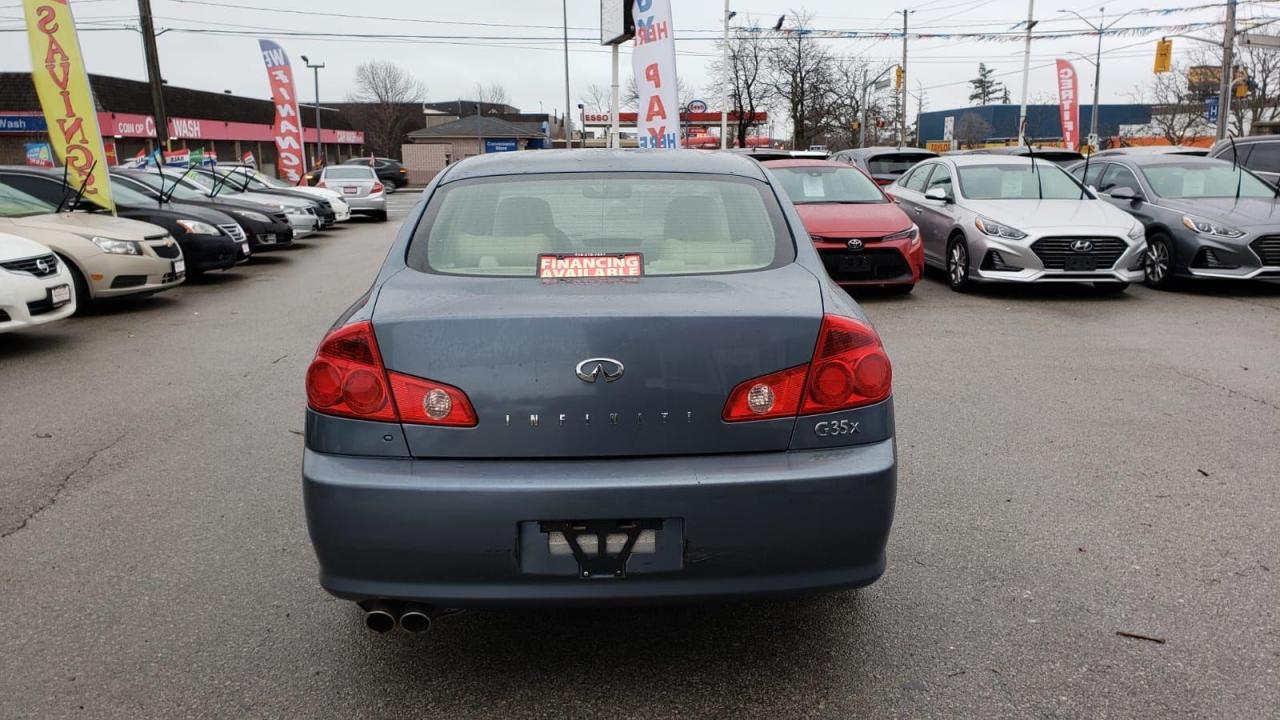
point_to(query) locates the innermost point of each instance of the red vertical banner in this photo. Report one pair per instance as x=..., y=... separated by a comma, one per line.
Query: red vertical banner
x=287, y=130
x=1069, y=104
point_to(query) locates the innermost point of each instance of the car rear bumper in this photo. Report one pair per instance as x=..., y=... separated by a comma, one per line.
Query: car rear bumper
x=374, y=203
x=448, y=532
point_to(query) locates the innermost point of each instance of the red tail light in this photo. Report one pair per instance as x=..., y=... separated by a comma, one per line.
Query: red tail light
x=347, y=378
x=849, y=369
x=377, y=187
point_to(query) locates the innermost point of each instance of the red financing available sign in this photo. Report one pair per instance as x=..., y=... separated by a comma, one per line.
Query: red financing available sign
x=1069, y=104
x=287, y=130
x=590, y=266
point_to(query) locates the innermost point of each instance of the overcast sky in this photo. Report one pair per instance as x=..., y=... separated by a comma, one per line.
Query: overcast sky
x=532, y=69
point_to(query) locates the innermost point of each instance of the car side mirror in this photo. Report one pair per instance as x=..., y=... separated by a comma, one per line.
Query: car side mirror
x=1125, y=193
x=937, y=193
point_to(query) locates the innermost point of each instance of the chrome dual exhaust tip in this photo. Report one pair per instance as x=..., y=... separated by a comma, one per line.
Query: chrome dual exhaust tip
x=382, y=616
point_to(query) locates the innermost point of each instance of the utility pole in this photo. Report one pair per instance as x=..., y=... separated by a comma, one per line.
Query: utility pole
x=1101, y=28
x=1226, y=85
x=568, y=111
x=724, y=101
x=320, y=154
x=153, y=73
x=1026, y=73
x=902, y=120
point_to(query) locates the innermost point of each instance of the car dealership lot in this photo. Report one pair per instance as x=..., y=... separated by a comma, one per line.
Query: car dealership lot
x=1072, y=466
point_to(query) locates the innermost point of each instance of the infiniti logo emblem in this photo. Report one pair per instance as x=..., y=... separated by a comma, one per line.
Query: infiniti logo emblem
x=590, y=370
x=1082, y=246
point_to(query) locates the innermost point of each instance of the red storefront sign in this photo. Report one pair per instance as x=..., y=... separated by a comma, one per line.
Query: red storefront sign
x=144, y=126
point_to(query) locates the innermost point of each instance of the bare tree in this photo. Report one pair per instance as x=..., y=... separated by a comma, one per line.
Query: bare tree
x=743, y=79
x=1260, y=68
x=387, y=95
x=596, y=98
x=492, y=94
x=1176, y=114
x=971, y=130
x=799, y=76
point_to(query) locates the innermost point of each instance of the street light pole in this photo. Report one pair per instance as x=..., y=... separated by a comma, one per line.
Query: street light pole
x=568, y=112
x=1101, y=28
x=320, y=153
x=153, y=73
x=1226, y=85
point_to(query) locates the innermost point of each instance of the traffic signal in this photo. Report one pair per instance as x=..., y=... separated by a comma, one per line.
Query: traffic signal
x=1164, y=55
x=1242, y=89
x=898, y=77
x=855, y=126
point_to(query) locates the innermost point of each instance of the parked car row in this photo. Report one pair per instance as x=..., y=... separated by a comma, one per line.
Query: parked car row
x=1030, y=215
x=59, y=251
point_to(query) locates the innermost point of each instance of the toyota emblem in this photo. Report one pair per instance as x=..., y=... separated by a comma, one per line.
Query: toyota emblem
x=855, y=244
x=42, y=265
x=1082, y=246
x=592, y=369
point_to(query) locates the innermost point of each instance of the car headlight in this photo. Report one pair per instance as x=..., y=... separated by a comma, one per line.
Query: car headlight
x=296, y=211
x=251, y=215
x=117, y=247
x=1209, y=227
x=195, y=227
x=912, y=233
x=1138, y=232
x=995, y=229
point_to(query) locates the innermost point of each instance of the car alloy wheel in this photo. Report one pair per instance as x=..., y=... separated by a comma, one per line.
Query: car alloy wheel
x=958, y=266
x=1158, y=263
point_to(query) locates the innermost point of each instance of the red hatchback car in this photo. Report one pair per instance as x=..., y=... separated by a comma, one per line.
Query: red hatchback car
x=864, y=238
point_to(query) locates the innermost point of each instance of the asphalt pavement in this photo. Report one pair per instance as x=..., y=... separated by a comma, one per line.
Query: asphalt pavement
x=1073, y=467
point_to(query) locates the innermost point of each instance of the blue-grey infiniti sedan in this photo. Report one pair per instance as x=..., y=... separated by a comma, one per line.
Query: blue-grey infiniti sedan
x=598, y=377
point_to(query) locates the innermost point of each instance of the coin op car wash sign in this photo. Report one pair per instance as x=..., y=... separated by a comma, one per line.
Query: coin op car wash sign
x=57, y=71
x=653, y=62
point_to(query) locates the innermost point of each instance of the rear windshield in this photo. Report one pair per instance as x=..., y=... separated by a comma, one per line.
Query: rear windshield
x=349, y=173
x=1199, y=179
x=895, y=163
x=681, y=224
x=1042, y=181
x=819, y=184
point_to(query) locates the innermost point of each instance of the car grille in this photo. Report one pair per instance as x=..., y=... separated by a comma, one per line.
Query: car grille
x=32, y=266
x=1053, y=251
x=40, y=307
x=875, y=265
x=234, y=231
x=280, y=218
x=128, y=281
x=1268, y=248
x=168, y=251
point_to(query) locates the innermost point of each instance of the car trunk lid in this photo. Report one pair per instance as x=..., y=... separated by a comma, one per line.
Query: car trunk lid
x=515, y=346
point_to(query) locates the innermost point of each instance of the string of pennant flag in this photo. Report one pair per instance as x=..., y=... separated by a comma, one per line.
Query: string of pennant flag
x=1001, y=36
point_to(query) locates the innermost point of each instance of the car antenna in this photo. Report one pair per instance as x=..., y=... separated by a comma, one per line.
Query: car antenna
x=1084, y=175
x=1031, y=151
x=65, y=194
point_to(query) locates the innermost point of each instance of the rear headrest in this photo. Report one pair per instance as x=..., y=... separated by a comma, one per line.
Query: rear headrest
x=524, y=216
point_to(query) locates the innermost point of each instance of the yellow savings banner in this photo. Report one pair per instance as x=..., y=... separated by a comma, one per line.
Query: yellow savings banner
x=57, y=67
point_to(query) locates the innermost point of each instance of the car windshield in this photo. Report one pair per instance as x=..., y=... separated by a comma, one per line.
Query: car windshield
x=1044, y=181
x=894, y=163
x=127, y=196
x=229, y=180
x=822, y=184
x=169, y=185
x=1204, y=180
x=349, y=173
x=15, y=203
x=679, y=224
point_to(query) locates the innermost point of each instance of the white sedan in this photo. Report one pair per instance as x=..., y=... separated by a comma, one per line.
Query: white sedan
x=35, y=286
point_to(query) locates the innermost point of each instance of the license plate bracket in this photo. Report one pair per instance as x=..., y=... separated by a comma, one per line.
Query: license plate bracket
x=854, y=263
x=59, y=295
x=1079, y=263
x=601, y=549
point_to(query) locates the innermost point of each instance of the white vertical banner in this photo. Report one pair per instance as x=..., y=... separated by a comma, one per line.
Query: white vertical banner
x=653, y=62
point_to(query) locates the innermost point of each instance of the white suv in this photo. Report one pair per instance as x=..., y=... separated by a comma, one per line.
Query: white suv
x=35, y=287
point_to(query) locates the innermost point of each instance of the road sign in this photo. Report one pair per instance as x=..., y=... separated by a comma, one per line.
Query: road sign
x=1164, y=55
x=616, y=23
x=1260, y=41
x=1211, y=109
x=949, y=128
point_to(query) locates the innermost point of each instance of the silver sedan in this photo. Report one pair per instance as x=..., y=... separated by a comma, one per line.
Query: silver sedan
x=988, y=218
